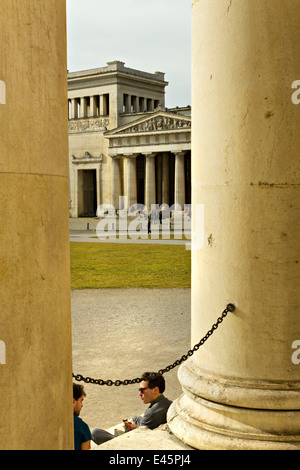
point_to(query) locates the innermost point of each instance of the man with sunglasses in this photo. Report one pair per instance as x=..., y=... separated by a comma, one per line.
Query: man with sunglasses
x=151, y=391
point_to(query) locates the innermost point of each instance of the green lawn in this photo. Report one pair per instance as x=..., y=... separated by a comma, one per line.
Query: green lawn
x=97, y=265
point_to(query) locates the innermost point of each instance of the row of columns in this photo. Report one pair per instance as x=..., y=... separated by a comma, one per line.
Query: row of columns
x=89, y=106
x=138, y=104
x=130, y=180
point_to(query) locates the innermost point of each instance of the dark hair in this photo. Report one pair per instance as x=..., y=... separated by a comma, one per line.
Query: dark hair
x=78, y=391
x=154, y=379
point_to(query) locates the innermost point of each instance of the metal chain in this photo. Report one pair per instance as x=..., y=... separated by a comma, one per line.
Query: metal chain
x=117, y=383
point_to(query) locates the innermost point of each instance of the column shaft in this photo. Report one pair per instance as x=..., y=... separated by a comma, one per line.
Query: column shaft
x=241, y=389
x=179, y=187
x=131, y=181
x=36, y=379
x=150, y=196
x=92, y=111
x=74, y=113
x=116, y=182
x=165, y=180
x=82, y=110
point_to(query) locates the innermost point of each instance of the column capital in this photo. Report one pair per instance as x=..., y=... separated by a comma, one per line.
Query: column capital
x=150, y=154
x=180, y=153
x=130, y=155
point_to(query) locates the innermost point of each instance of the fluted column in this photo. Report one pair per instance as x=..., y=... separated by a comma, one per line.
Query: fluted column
x=150, y=189
x=74, y=113
x=165, y=180
x=116, y=182
x=35, y=317
x=83, y=108
x=242, y=389
x=131, y=183
x=92, y=110
x=179, y=186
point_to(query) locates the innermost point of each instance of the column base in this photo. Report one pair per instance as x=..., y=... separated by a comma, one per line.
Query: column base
x=208, y=425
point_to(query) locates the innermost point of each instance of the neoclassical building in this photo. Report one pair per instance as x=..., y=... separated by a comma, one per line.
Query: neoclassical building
x=124, y=142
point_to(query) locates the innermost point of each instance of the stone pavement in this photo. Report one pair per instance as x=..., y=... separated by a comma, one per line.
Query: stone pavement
x=84, y=230
x=119, y=334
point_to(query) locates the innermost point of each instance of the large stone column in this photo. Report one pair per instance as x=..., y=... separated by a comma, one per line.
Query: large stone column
x=165, y=180
x=131, y=184
x=36, y=379
x=242, y=389
x=116, y=182
x=150, y=188
x=179, y=186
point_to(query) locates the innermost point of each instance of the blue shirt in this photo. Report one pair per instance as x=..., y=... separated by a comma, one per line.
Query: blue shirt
x=82, y=432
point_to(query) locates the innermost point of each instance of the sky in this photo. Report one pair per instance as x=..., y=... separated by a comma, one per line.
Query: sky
x=148, y=35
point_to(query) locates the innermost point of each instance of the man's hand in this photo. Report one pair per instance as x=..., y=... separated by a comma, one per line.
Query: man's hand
x=131, y=426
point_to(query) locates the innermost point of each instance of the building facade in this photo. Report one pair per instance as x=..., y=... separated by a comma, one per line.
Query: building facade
x=124, y=142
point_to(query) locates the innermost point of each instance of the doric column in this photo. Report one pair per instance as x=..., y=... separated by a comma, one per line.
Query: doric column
x=242, y=389
x=74, y=113
x=127, y=103
x=131, y=187
x=143, y=106
x=165, y=180
x=116, y=182
x=34, y=246
x=179, y=183
x=159, y=179
x=101, y=105
x=92, y=110
x=82, y=109
x=150, y=191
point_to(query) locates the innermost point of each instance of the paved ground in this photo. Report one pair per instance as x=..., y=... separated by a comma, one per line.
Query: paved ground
x=84, y=230
x=119, y=334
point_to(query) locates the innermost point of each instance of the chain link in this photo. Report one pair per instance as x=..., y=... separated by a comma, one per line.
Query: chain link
x=117, y=383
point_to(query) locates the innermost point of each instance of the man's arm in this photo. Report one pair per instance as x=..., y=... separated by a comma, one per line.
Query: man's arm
x=86, y=445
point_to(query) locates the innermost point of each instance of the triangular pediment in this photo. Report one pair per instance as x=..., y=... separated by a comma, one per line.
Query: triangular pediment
x=160, y=121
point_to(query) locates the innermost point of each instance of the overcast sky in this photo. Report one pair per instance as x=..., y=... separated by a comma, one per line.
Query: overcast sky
x=148, y=35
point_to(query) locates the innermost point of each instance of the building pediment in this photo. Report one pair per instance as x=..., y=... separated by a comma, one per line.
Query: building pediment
x=158, y=122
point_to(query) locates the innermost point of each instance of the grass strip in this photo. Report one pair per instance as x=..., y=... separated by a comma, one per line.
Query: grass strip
x=101, y=265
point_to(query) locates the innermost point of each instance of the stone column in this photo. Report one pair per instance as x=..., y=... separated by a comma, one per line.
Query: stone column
x=35, y=319
x=92, y=110
x=74, y=113
x=242, y=389
x=165, y=180
x=116, y=182
x=159, y=179
x=103, y=105
x=131, y=187
x=179, y=186
x=150, y=191
x=82, y=109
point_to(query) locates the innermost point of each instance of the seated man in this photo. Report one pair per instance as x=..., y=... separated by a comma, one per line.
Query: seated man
x=151, y=391
x=82, y=434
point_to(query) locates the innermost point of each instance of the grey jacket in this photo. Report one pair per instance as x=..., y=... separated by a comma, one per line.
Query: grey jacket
x=155, y=415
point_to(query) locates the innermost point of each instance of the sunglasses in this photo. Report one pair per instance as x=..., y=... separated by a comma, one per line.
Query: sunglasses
x=141, y=390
